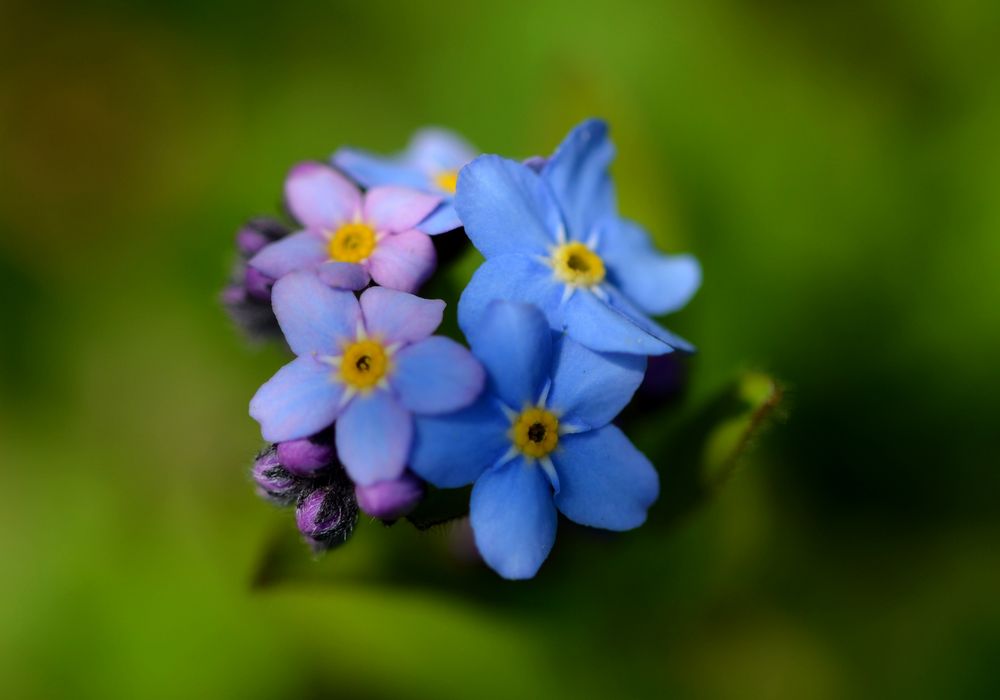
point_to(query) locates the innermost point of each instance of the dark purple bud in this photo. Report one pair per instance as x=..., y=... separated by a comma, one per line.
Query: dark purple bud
x=274, y=482
x=307, y=456
x=666, y=376
x=258, y=284
x=327, y=516
x=257, y=233
x=388, y=500
x=536, y=163
x=234, y=294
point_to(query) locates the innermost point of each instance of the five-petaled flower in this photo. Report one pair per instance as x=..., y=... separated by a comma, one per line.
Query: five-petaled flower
x=430, y=163
x=351, y=238
x=553, y=238
x=369, y=365
x=538, y=440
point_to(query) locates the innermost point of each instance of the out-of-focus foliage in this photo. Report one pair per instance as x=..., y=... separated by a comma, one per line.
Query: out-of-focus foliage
x=835, y=166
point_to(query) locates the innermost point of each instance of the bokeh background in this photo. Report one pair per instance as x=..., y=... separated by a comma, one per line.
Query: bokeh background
x=836, y=167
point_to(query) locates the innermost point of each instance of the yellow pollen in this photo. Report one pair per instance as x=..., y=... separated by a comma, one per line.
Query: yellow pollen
x=577, y=265
x=364, y=364
x=535, y=432
x=352, y=243
x=447, y=180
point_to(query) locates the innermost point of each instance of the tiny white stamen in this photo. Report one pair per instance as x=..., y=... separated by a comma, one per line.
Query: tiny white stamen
x=510, y=454
x=569, y=429
x=568, y=291
x=361, y=333
x=509, y=412
x=561, y=234
x=550, y=471
x=595, y=236
x=545, y=392
x=348, y=394
x=599, y=292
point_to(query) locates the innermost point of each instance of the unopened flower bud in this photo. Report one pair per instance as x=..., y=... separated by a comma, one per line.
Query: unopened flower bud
x=327, y=516
x=257, y=233
x=274, y=482
x=307, y=456
x=258, y=284
x=388, y=500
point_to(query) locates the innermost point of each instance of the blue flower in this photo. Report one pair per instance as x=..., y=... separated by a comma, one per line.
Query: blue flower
x=369, y=365
x=430, y=163
x=539, y=439
x=552, y=237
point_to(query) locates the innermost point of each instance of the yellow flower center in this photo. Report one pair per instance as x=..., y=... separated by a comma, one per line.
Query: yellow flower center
x=577, y=265
x=535, y=432
x=364, y=364
x=447, y=180
x=352, y=243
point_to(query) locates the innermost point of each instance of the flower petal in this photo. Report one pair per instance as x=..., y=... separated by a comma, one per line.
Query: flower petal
x=656, y=283
x=320, y=197
x=454, y=449
x=297, y=402
x=578, y=175
x=437, y=375
x=392, y=208
x=604, y=481
x=513, y=518
x=300, y=251
x=441, y=220
x=593, y=323
x=371, y=170
x=514, y=343
x=313, y=316
x=434, y=150
x=618, y=301
x=342, y=275
x=373, y=437
x=513, y=278
x=403, y=261
x=588, y=388
x=506, y=207
x=398, y=317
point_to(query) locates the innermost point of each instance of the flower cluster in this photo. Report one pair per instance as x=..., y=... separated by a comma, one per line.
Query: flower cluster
x=558, y=322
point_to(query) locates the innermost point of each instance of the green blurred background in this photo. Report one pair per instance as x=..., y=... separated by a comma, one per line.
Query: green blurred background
x=836, y=167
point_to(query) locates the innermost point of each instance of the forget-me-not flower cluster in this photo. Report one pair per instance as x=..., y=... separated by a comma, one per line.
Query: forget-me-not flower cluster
x=559, y=325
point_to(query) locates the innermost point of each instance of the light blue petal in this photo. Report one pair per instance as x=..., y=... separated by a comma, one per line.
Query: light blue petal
x=437, y=375
x=441, y=220
x=373, y=437
x=434, y=150
x=513, y=518
x=299, y=401
x=591, y=322
x=513, y=278
x=399, y=317
x=506, y=208
x=589, y=389
x=656, y=283
x=514, y=343
x=314, y=317
x=371, y=170
x=578, y=175
x=342, y=275
x=604, y=481
x=618, y=301
x=300, y=251
x=453, y=450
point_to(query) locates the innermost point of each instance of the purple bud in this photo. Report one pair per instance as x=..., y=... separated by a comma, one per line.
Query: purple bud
x=327, y=516
x=257, y=233
x=536, y=163
x=258, y=284
x=234, y=294
x=307, y=456
x=274, y=482
x=388, y=500
x=666, y=376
